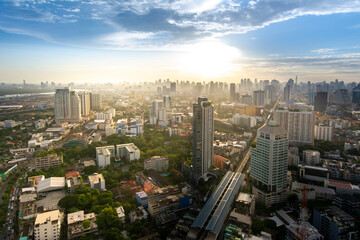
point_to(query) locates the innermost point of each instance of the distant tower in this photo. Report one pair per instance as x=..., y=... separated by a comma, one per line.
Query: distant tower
x=203, y=133
x=232, y=91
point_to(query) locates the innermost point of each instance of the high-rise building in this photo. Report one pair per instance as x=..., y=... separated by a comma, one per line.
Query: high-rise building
x=203, y=133
x=75, y=107
x=342, y=97
x=173, y=87
x=67, y=106
x=154, y=110
x=320, y=101
x=246, y=99
x=259, y=98
x=269, y=164
x=322, y=132
x=232, y=91
x=270, y=94
x=167, y=102
x=356, y=95
x=287, y=93
x=96, y=101
x=85, y=99
x=299, y=125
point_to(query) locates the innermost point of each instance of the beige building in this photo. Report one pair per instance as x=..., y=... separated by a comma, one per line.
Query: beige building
x=311, y=157
x=323, y=132
x=157, y=163
x=76, y=225
x=51, y=160
x=298, y=124
x=47, y=226
x=97, y=181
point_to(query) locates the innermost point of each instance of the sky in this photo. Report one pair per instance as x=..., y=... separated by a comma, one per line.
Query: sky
x=97, y=41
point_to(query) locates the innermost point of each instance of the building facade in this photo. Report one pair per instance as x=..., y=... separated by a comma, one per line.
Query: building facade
x=203, y=137
x=47, y=226
x=298, y=124
x=50, y=160
x=269, y=164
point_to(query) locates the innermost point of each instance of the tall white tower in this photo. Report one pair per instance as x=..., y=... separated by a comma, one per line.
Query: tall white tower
x=269, y=164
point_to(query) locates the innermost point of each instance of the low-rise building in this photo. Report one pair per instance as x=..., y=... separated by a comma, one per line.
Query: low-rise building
x=73, y=181
x=39, y=124
x=9, y=124
x=48, y=226
x=27, y=207
x=157, y=163
x=221, y=162
x=138, y=214
x=311, y=157
x=142, y=198
x=50, y=160
x=128, y=152
x=51, y=184
x=80, y=224
x=334, y=223
x=97, y=181
x=121, y=213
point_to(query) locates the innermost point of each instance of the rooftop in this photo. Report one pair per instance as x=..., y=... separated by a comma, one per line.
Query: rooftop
x=47, y=216
x=95, y=177
x=273, y=128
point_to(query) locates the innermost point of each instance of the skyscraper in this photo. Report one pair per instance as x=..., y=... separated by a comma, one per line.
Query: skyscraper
x=96, y=101
x=67, y=106
x=173, y=87
x=259, y=98
x=299, y=125
x=320, y=101
x=269, y=164
x=154, y=111
x=232, y=91
x=203, y=133
x=85, y=103
x=167, y=102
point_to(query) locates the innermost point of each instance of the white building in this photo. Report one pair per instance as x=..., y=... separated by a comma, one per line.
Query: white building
x=85, y=99
x=323, y=132
x=156, y=105
x=244, y=120
x=103, y=156
x=298, y=124
x=40, y=124
x=9, y=124
x=269, y=164
x=97, y=181
x=311, y=157
x=111, y=149
x=128, y=152
x=51, y=184
x=104, y=116
x=121, y=213
x=47, y=226
x=157, y=163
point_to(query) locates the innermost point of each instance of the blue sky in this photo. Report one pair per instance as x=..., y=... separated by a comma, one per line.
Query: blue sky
x=200, y=40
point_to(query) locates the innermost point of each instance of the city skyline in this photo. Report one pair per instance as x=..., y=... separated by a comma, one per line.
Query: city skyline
x=111, y=41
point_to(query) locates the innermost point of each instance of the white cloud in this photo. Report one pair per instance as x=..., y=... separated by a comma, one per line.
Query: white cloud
x=324, y=50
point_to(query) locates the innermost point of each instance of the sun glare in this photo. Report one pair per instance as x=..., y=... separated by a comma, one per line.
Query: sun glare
x=210, y=59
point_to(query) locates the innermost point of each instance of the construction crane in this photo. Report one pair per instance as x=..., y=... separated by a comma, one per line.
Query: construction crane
x=303, y=214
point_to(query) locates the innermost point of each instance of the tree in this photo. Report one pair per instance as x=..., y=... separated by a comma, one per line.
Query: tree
x=86, y=224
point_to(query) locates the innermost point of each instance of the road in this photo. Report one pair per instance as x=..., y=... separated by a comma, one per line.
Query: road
x=244, y=162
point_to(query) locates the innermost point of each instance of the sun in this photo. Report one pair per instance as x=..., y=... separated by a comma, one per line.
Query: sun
x=209, y=59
